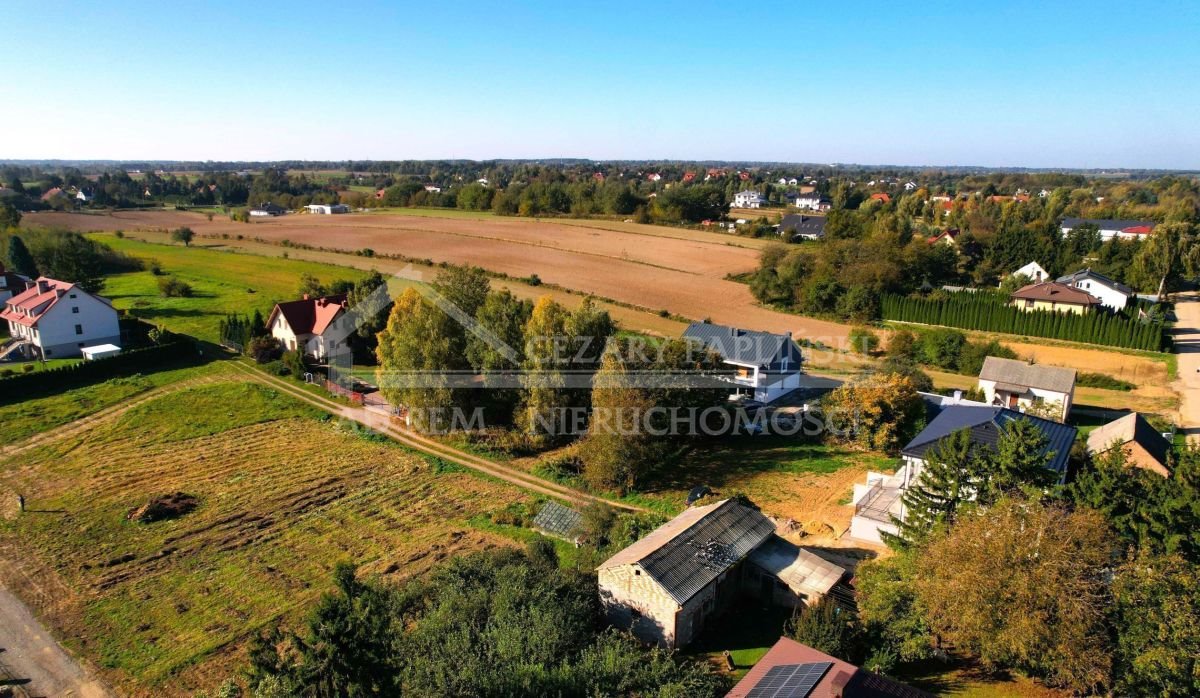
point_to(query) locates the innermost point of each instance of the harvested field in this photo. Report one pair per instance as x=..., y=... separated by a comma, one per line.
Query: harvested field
x=682, y=276
x=167, y=607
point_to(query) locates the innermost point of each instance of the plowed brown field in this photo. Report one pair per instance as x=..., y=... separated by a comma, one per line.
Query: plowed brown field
x=683, y=276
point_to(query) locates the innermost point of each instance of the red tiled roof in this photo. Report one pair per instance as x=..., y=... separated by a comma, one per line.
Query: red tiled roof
x=881, y=196
x=1138, y=230
x=28, y=307
x=951, y=233
x=310, y=315
x=51, y=192
x=842, y=679
x=1054, y=292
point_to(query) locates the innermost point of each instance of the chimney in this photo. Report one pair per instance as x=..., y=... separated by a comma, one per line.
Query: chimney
x=957, y=396
x=306, y=297
x=837, y=687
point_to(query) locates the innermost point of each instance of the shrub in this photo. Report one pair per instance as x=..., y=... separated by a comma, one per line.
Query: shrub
x=156, y=268
x=264, y=350
x=172, y=287
x=275, y=368
x=28, y=368
x=294, y=361
x=863, y=341
x=1100, y=380
x=534, y=280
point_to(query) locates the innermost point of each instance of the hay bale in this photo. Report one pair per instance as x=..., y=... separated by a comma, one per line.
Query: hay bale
x=164, y=507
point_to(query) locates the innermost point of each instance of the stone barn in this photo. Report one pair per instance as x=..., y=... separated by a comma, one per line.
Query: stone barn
x=665, y=586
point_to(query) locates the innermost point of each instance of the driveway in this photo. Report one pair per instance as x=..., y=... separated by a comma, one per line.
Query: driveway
x=1187, y=346
x=32, y=663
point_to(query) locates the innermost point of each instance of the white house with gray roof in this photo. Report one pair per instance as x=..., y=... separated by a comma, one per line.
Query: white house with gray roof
x=665, y=586
x=766, y=366
x=1112, y=294
x=749, y=199
x=1020, y=385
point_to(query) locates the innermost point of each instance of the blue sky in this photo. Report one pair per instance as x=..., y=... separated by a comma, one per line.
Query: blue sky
x=1039, y=84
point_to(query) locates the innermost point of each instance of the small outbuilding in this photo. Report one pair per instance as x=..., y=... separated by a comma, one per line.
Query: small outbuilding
x=100, y=351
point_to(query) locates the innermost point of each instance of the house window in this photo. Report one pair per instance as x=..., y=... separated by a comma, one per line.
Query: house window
x=72, y=295
x=79, y=329
x=1028, y=304
x=75, y=309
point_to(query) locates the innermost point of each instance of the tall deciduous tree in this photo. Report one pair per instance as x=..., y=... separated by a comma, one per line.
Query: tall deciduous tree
x=1046, y=612
x=1157, y=622
x=415, y=353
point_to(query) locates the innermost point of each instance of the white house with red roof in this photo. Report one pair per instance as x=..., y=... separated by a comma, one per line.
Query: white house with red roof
x=306, y=324
x=57, y=319
x=1111, y=228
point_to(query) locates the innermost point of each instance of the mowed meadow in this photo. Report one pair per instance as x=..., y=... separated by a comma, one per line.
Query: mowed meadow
x=283, y=494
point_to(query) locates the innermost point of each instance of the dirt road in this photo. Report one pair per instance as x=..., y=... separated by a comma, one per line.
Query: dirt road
x=1187, y=346
x=33, y=663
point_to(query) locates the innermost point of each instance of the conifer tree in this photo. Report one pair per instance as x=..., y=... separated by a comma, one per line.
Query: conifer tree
x=948, y=479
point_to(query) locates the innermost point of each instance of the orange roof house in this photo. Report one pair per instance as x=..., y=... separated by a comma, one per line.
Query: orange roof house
x=881, y=196
x=793, y=669
x=304, y=325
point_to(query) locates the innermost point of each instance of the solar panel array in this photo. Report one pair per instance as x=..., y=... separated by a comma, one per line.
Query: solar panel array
x=790, y=680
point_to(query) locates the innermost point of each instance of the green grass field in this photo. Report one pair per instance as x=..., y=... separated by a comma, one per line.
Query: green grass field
x=223, y=283
x=24, y=419
x=283, y=494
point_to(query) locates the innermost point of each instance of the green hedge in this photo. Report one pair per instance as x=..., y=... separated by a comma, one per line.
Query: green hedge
x=990, y=312
x=21, y=386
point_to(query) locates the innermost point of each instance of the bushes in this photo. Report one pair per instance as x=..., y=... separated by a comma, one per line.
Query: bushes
x=20, y=387
x=863, y=341
x=173, y=287
x=946, y=349
x=990, y=312
x=294, y=362
x=264, y=350
x=1100, y=380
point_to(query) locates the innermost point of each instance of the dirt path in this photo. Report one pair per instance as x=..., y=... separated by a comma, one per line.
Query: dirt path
x=415, y=441
x=1187, y=346
x=33, y=663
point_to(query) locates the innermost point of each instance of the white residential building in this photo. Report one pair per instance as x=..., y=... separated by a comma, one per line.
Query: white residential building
x=749, y=199
x=811, y=202
x=1111, y=228
x=766, y=366
x=328, y=209
x=879, y=502
x=1019, y=385
x=308, y=325
x=56, y=320
x=1033, y=271
x=1112, y=294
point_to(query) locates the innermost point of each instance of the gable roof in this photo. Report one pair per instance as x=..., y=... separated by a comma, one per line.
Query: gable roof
x=691, y=550
x=310, y=315
x=985, y=424
x=12, y=282
x=31, y=305
x=840, y=679
x=1073, y=278
x=951, y=233
x=1123, y=225
x=1132, y=427
x=1027, y=375
x=762, y=349
x=802, y=224
x=1054, y=292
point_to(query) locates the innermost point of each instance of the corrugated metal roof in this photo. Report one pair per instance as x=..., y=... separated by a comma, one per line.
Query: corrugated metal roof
x=690, y=551
x=985, y=424
x=804, y=573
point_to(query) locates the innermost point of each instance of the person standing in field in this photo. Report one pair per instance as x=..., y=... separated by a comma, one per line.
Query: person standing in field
x=21, y=503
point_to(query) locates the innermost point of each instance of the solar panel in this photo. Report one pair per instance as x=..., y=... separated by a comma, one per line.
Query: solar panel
x=790, y=680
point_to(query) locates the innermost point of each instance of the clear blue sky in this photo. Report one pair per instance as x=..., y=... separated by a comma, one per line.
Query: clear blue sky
x=1040, y=84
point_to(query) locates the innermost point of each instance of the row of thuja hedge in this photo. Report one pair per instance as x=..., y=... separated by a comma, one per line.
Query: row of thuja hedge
x=23, y=385
x=992, y=313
